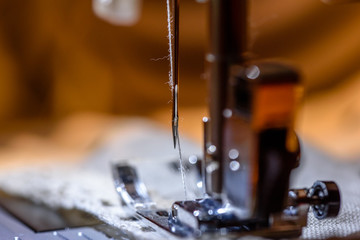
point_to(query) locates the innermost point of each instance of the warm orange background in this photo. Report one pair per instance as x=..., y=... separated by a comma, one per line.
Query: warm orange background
x=57, y=58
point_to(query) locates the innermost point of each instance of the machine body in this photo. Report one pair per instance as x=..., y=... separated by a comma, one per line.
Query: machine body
x=250, y=146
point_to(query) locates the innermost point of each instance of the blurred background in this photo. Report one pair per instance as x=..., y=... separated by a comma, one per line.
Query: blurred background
x=69, y=68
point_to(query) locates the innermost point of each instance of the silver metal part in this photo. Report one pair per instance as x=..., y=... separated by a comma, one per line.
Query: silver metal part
x=22, y=219
x=210, y=167
x=201, y=217
x=118, y=12
x=131, y=190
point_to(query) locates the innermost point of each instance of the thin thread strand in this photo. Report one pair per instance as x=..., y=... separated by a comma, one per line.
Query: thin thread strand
x=182, y=169
x=171, y=83
x=170, y=37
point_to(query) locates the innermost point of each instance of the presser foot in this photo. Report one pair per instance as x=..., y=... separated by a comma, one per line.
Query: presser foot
x=225, y=224
x=199, y=218
x=209, y=216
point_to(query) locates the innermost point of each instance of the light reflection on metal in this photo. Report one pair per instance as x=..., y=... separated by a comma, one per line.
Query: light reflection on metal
x=234, y=165
x=227, y=113
x=211, y=149
x=253, y=72
x=193, y=159
x=118, y=12
x=233, y=154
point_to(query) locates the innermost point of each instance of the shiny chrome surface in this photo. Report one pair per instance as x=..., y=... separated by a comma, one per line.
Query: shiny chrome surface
x=131, y=190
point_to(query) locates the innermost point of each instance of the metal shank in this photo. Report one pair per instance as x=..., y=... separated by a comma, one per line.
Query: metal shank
x=227, y=45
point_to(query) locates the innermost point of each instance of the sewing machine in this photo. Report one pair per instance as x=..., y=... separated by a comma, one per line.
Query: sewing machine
x=250, y=149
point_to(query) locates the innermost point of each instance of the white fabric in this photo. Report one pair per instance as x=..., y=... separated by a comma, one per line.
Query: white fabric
x=89, y=186
x=318, y=166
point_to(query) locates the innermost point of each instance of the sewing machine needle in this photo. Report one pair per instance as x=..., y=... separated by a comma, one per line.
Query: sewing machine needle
x=175, y=67
x=175, y=117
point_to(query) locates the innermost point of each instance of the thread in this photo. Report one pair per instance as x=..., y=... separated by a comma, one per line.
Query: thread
x=182, y=169
x=171, y=84
x=170, y=37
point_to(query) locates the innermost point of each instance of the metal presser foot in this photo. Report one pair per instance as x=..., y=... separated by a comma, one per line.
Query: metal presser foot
x=209, y=216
